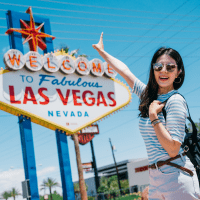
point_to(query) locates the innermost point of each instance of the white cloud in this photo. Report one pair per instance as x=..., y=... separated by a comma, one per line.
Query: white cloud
x=46, y=171
x=11, y=178
x=14, y=178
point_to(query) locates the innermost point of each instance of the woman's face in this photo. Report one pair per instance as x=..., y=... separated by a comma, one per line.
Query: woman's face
x=165, y=78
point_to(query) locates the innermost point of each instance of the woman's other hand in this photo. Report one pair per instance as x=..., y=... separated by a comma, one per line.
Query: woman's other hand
x=155, y=108
x=145, y=194
x=99, y=46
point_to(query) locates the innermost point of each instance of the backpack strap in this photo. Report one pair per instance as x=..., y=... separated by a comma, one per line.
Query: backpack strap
x=194, y=129
x=185, y=144
x=185, y=101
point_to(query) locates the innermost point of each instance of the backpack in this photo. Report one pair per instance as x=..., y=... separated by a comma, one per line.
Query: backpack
x=191, y=143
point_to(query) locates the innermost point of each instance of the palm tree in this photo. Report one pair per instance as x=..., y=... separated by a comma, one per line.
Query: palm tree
x=50, y=183
x=6, y=195
x=82, y=185
x=73, y=53
x=43, y=185
x=14, y=192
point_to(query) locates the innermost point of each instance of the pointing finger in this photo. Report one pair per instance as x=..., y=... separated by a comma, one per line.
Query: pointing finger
x=101, y=37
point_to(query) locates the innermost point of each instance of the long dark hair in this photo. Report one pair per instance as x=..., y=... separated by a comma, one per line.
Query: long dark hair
x=151, y=90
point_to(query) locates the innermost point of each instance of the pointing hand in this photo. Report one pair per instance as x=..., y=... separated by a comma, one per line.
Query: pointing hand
x=99, y=46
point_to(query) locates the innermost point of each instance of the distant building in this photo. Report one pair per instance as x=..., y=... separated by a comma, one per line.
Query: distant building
x=90, y=182
x=138, y=174
x=110, y=170
x=132, y=169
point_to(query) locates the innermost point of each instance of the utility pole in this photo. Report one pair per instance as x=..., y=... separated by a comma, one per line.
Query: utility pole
x=116, y=167
x=95, y=167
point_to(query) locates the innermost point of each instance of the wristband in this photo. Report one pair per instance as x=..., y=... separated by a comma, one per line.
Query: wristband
x=154, y=122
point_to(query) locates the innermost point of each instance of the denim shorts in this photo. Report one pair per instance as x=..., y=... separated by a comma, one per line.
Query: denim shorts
x=171, y=183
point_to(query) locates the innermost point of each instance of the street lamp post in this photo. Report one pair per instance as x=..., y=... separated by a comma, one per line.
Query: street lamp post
x=116, y=167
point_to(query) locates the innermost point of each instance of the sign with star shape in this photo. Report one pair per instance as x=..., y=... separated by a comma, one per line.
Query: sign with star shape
x=18, y=25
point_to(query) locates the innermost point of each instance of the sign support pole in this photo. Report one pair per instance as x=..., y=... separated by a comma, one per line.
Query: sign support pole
x=28, y=155
x=95, y=167
x=65, y=168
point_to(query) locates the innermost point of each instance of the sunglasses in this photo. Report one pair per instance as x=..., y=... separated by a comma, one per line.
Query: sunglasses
x=159, y=66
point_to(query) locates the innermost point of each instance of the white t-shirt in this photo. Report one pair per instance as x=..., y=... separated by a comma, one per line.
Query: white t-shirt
x=176, y=111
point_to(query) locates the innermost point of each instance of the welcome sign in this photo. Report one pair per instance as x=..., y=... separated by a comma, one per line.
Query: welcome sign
x=59, y=101
x=55, y=90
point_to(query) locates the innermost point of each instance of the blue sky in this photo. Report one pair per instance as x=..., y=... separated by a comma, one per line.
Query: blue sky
x=133, y=30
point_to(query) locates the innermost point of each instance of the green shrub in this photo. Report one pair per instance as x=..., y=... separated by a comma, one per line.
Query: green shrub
x=91, y=198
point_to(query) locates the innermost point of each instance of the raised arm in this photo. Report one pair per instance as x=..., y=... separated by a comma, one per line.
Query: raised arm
x=116, y=64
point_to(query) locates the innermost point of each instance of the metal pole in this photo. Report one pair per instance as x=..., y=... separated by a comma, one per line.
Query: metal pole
x=28, y=155
x=116, y=167
x=95, y=167
x=65, y=167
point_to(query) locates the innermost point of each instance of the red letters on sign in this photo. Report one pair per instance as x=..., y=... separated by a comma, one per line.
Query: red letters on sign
x=141, y=169
x=12, y=60
x=32, y=61
x=64, y=100
x=48, y=62
x=100, y=95
x=110, y=69
x=79, y=66
x=90, y=101
x=63, y=64
x=30, y=91
x=95, y=68
x=85, y=138
x=43, y=96
x=113, y=100
x=12, y=95
x=90, y=98
x=76, y=97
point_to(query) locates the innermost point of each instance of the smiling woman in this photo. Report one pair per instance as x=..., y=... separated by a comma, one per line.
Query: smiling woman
x=162, y=138
x=166, y=73
x=161, y=80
